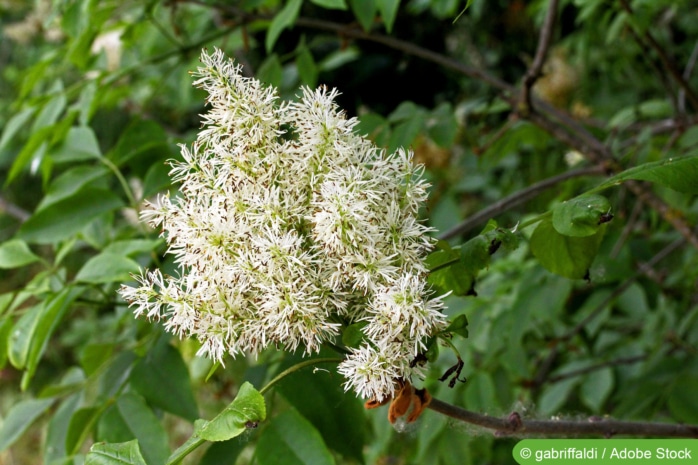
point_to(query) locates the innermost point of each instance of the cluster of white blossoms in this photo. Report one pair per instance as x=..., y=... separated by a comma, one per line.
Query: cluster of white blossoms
x=289, y=227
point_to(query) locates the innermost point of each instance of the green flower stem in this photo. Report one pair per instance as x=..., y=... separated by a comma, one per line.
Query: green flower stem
x=297, y=367
x=535, y=220
x=187, y=448
x=194, y=442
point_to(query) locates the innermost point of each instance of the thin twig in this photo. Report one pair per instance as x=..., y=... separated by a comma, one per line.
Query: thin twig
x=627, y=229
x=13, y=210
x=517, y=198
x=514, y=425
x=687, y=75
x=535, y=70
x=666, y=61
x=547, y=364
x=597, y=366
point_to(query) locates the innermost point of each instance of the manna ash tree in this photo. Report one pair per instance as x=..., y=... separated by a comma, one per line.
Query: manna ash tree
x=479, y=213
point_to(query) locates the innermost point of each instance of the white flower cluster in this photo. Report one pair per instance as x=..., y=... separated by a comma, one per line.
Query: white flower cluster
x=289, y=227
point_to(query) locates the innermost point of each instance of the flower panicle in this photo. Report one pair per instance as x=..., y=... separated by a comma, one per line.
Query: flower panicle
x=287, y=226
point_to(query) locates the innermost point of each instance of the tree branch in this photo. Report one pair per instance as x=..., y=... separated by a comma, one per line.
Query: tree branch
x=597, y=366
x=547, y=364
x=514, y=425
x=516, y=199
x=13, y=210
x=534, y=71
x=687, y=75
x=666, y=61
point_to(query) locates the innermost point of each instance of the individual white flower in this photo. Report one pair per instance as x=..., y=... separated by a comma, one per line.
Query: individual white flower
x=289, y=226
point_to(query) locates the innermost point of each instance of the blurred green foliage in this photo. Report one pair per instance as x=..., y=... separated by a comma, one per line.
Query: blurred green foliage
x=564, y=316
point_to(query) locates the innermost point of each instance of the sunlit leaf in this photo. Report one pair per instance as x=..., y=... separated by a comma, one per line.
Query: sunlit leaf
x=16, y=253
x=680, y=174
x=125, y=453
x=246, y=409
x=106, y=268
x=581, y=216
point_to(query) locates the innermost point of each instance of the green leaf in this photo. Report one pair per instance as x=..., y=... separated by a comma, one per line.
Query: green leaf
x=67, y=217
x=365, y=12
x=247, y=408
x=581, y=216
x=35, y=144
x=15, y=253
x=81, y=424
x=353, y=335
x=459, y=325
x=19, y=418
x=452, y=275
x=566, y=256
x=285, y=18
x=480, y=393
x=555, y=395
x=162, y=378
x=475, y=254
x=596, y=388
x=80, y=144
x=290, y=439
x=50, y=315
x=442, y=125
x=140, y=138
x=157, y=179
x=338, y=416
x=331, y=4
x=86, y=103
x=116, y=374
x=145, y=426
x=388, y=11
x=223, y=453
x=432, y=353
x=679, y=174
x=5, y=331
x=70, y=182
x=107, y=268
x=133, y=246
x=682, y=398
x=94, y=355
x=125, y=453
x=467, y=5
x=54, y=447
x=112, y=427
x=52, y=109
x=307, y=69
x=270, y=72
x=13, y=125
x=20, y=340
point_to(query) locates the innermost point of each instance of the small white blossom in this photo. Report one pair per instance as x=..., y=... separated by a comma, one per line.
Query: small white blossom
x=288, y=227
